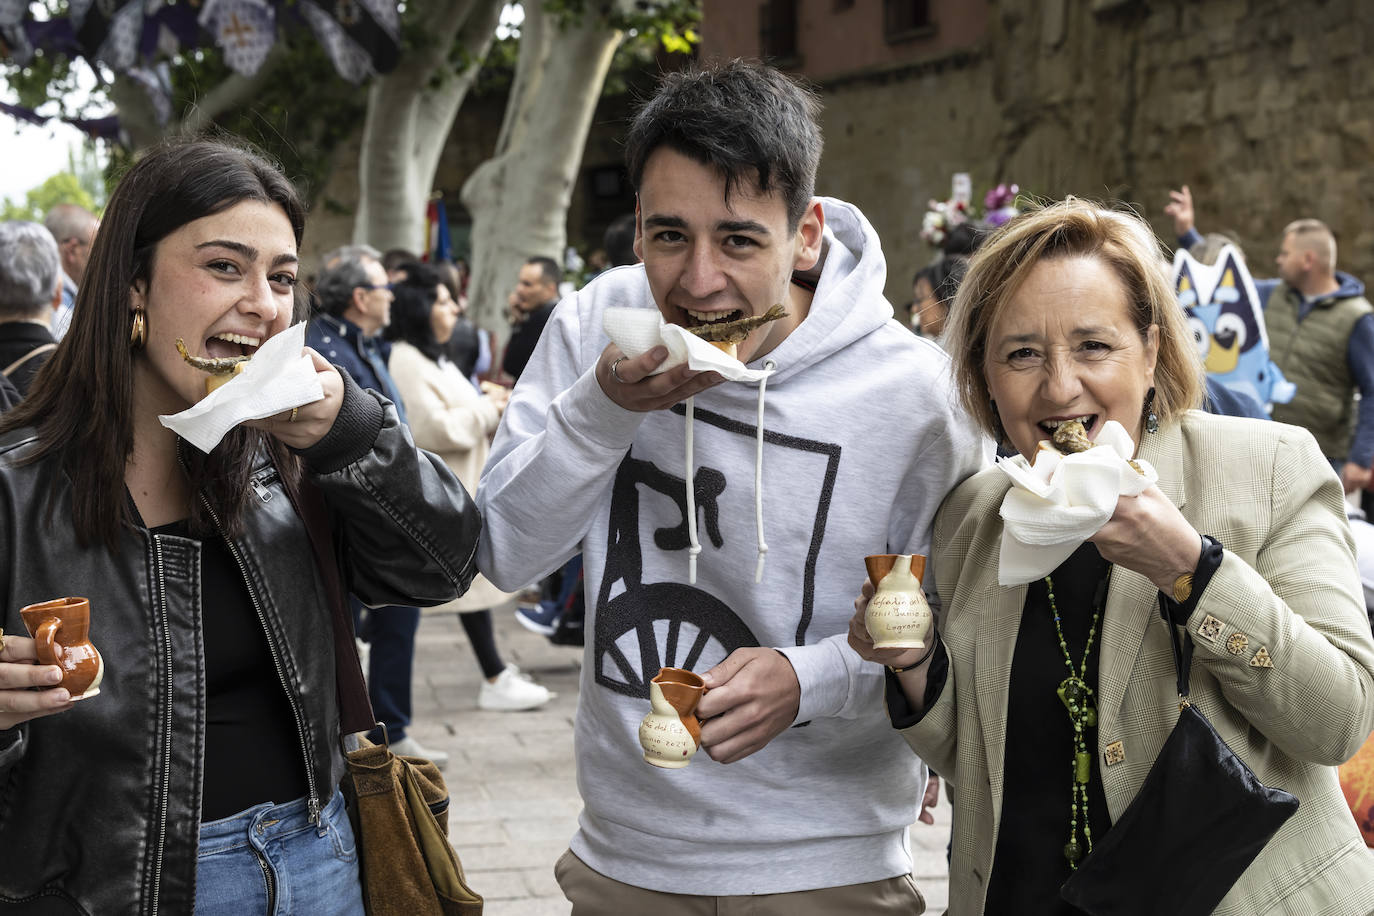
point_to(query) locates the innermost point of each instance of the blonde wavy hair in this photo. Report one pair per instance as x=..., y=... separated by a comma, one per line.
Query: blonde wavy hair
x=1072, y=228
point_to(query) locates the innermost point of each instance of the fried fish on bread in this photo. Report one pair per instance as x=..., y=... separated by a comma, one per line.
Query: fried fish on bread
x=221, y=369
x=1071, y=438
x=726, y=336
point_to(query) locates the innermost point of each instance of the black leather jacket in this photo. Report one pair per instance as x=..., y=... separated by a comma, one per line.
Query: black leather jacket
x=100, y=805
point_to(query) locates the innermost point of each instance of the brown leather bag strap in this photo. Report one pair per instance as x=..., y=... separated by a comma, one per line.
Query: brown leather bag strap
x=355, y=709
x=36, y=351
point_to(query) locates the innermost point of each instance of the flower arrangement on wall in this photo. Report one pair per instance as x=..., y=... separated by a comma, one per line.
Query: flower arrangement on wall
x=999, y=205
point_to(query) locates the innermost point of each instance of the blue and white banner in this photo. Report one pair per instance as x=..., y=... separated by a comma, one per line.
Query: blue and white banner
x=245, y=31
x=119, y=51
x=349, y=59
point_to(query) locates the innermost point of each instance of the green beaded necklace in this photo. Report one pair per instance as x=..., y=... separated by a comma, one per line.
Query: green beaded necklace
x=1077, y=698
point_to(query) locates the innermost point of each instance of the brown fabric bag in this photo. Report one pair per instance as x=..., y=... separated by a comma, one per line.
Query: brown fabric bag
x=398, y=805
x=408, y=866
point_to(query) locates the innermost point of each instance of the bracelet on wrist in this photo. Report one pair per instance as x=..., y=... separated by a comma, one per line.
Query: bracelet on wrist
x=934, y=641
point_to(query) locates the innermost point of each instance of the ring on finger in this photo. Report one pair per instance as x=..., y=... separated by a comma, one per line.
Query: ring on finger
x=292, y=418
x=2, y=640
x=616, y=373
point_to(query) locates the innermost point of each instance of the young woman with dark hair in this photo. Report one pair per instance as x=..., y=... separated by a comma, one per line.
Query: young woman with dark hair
x=449, y=417
x=204, y=776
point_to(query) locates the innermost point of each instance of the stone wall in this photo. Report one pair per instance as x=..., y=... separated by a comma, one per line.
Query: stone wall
x=1264, y=108
x=835, y=37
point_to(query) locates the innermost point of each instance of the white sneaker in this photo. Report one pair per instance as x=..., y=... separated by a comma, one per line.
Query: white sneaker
x=409, y=747
x=512, y=691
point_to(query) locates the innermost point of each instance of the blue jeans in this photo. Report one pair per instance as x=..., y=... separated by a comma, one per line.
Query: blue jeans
x=270, y=861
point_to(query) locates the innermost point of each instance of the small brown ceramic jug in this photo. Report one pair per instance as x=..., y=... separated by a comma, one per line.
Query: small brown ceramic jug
x=671, y=733
x=60, y=631
x=898, y=616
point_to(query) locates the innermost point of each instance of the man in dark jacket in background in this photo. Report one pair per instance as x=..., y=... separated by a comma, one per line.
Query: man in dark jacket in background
x=536, y=293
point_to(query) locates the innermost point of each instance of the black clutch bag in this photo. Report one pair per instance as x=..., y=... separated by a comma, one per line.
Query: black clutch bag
x=1199, y=820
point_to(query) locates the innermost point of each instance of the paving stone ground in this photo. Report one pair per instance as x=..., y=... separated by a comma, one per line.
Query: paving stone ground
x=511, y=774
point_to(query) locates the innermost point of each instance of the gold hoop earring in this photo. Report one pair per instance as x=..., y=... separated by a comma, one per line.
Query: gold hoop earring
x=138, y=334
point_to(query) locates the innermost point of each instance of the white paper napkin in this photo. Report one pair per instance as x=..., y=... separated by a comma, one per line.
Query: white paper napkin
x=1062, y=500
x=637, y=331
x=277, y=378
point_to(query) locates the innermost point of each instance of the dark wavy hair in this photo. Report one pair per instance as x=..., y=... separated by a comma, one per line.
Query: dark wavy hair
x=81, y=402
x=412, y=308
x=753, y=124
x=944, y=277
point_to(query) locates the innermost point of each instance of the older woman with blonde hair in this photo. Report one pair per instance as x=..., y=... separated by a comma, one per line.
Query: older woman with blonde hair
x=1047, y=703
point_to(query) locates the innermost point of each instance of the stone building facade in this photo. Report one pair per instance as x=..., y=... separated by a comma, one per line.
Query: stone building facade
x=1264, y=108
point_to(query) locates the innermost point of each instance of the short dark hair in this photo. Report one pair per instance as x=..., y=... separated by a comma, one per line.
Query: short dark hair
x=548, y=267
x=751, y=123
x=412, y=308
x=619, y=241
x=335, y=286
x=944, y=277
x=963, y=240
x=395, y=257
x=451, y=276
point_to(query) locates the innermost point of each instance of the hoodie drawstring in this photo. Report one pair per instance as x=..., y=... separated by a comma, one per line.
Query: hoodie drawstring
x=694, y=545
x=758, y=478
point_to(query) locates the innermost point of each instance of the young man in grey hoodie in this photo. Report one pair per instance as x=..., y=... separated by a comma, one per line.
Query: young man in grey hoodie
x=803, y=791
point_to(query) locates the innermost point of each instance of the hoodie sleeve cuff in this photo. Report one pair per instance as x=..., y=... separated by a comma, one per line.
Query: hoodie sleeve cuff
x=823, y=677
x=587, y=409
x=353, y=434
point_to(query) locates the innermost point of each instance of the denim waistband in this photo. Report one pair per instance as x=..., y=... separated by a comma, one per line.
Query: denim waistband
x=263, y=822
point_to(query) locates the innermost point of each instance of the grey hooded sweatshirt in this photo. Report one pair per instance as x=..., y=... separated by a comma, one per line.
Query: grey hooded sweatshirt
x=862, y=439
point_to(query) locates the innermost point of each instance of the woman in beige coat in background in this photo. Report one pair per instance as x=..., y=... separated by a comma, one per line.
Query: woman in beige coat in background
x=451, y=418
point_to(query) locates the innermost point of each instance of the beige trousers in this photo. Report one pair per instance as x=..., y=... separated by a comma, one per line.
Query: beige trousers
x=594, y=894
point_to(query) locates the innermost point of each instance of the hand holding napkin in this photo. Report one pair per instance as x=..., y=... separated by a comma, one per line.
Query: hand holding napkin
x=278, y=377
x=1062, y=500
x=637, y=331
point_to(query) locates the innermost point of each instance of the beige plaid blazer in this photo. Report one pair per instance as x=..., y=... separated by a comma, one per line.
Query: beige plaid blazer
x=1283, y=669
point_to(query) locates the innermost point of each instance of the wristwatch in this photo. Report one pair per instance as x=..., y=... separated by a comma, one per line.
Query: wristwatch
x=1183, y=587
